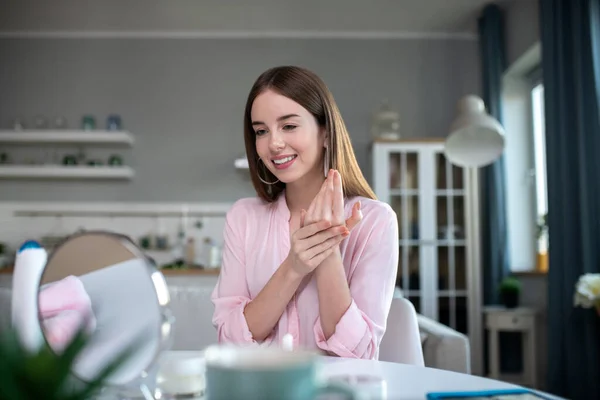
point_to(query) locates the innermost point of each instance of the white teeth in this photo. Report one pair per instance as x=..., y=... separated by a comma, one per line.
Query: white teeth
x=284, y=160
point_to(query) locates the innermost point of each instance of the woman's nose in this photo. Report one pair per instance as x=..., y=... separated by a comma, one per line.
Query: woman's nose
x=276, y=143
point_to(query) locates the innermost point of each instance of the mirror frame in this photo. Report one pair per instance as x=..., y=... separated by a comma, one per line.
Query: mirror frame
x=161, y=291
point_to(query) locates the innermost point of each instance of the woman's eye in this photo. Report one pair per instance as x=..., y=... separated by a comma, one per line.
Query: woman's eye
x=260, y=132
x=289, y=127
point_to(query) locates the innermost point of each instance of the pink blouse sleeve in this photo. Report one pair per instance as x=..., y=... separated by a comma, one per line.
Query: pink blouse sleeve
x=375, y=255
x=231, y=295
x=65, y=307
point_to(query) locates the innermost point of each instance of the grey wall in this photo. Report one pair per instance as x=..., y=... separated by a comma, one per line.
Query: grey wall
x=455, y=17
x=521, y=28
x=183, y=99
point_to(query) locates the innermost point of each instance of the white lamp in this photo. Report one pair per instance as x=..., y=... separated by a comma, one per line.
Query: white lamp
x=476, y=138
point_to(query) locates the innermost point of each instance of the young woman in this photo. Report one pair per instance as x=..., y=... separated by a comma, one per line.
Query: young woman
x=315, y=255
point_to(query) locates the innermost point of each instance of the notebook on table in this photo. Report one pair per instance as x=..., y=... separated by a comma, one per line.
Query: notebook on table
x=501, y=394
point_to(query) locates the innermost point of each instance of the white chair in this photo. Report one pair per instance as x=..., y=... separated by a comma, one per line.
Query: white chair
x=401, y=342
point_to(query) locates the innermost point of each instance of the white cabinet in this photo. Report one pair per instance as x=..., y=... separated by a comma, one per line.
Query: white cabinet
x=438, y=269
x=499, y=319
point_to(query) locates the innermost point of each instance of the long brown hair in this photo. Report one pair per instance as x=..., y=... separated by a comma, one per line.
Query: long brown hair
x=307, y=89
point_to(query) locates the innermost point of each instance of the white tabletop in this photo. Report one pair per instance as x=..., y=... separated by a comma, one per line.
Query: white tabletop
x=401, y=381
x=408, y=381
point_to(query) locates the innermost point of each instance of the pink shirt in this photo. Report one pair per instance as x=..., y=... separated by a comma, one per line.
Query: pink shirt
x=257, y=241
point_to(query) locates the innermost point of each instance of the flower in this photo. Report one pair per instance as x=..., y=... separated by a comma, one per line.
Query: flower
x=587, y=293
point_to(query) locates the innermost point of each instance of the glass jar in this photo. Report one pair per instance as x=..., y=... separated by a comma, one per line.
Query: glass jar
x=385, y=123
x=88, y=123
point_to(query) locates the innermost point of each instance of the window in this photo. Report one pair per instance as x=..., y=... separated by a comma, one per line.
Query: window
x=539, y=153
x=525, y=168
x=539, y=149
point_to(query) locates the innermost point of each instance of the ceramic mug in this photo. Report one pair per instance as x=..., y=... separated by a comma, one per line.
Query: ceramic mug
x=251, y=373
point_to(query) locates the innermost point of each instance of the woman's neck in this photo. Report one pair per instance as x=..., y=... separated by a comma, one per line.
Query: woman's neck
x=301, y=193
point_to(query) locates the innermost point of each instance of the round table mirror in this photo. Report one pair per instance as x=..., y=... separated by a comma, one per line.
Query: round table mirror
x=103, y=283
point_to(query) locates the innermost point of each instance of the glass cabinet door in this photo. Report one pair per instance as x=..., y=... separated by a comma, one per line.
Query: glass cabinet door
x=451, y=245
x=404, y=199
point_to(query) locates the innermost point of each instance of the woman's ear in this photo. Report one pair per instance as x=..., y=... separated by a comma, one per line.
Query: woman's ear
x=325, y=136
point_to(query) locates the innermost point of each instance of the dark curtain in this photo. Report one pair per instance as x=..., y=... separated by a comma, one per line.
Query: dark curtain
x=494, y=236
x=570, y=62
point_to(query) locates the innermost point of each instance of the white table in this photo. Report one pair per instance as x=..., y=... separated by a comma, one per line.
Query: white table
x=402, y=381
x=408, y=381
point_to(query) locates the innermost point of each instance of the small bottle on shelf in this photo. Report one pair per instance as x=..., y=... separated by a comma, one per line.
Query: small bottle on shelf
x=211, y=253
x=190, y=252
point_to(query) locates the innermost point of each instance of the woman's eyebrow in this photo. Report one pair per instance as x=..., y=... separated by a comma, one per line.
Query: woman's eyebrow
x=282, y=118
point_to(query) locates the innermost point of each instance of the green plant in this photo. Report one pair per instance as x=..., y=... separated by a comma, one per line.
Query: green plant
x=44, y=374
x=510, y=285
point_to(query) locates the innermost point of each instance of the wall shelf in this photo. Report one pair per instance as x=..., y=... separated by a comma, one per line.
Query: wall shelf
x=56, y=172
x=81, y=137
x=105, y=209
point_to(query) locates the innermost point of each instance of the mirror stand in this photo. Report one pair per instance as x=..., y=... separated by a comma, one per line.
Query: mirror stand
x=146, y=392
x=143, y=391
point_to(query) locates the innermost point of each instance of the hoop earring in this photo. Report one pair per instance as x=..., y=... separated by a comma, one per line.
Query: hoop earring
x=326, y=162
x=258, y=173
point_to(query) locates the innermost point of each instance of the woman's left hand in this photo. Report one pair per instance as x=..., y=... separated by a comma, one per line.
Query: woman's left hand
x=328, y=204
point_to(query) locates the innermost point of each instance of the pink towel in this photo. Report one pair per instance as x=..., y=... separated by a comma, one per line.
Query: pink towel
x=64, y=306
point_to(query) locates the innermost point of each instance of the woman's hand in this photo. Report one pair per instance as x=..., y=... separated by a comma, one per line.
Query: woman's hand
x=313, y=243
x=328, y=204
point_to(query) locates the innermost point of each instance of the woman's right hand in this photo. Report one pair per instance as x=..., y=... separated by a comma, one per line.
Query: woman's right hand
x=313, y=243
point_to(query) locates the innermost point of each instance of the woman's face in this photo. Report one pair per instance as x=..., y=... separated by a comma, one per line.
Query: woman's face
x=288, y=138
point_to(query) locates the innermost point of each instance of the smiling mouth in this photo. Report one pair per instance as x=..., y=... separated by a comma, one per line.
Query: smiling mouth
x=285, y=160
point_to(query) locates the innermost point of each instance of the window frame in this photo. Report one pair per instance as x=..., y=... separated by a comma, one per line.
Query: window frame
x=539, y=159
x=519, y=168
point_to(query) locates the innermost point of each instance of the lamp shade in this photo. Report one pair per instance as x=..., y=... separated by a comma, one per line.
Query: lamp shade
x=476, y=139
